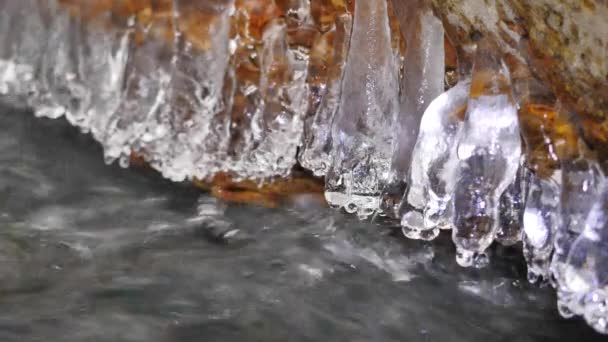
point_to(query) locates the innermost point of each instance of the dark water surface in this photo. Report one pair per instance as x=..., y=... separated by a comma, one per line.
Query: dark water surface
x=90, y=252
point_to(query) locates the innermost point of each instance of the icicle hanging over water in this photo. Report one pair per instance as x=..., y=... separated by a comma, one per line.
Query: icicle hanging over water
x=431, y=180
x=189, y=93
x=160, y=83
x=540, y=222
x=422, y=82
x=315, y=152
x=537, y=117
x=511, y=209
x=489, y=150
x=585, y=272
x=362, y=131
x=580, y=185
x=22, y=46
x=276, y=121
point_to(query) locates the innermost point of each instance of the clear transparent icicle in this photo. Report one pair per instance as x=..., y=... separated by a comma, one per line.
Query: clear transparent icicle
x=540, y=222
x=580, y=185
x=63, y=70
x=431, y=178
x=142, y=117
x=512, y=203
x=169, y=98
x=586, y=268
x=23, y=34
x=280, y=113
x=61, y=65
x=153, y=96
x=422, y=82
x=489, y=150
x=161, y=86
x=314, y=154
x=105, y=78
x=195, y=95
x=362, y=131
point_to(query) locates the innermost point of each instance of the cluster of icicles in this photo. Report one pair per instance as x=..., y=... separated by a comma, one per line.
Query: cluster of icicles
x=380, y=129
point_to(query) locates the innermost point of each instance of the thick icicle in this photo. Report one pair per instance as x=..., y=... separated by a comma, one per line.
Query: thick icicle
x=512, y=203
x=280, y=114
x=422, y=82
x=173, y=90
x=580, y=184
x=314, y=154
x=161, y=83
x=268, y=93
x=488, y=150
x=23, y=34
x=537, y=119
x=432, y=178
x=105, y=77
x=196, y=93
x=142, y=119
x=63, y=71
x=61, y=65
x=362, y=131
x=540, y=222
x=586, y=270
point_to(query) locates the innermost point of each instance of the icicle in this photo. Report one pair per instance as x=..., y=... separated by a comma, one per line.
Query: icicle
x=537, y=117
x=433, y=165
x=284, y=93
x=174, y=90
x=585, y=273
x=540, y=222
x=268, y=94
x=23, y=34
x=423, y=81
x=580, y=184
x=580, y=177
x=142, y=115
x=489, y=150
x=199, y=66
x=512, y=203
x=362, y=131
x=314, y=154
x=63, y=70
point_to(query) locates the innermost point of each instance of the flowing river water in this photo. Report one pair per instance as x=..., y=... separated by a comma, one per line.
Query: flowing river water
x=90, y=252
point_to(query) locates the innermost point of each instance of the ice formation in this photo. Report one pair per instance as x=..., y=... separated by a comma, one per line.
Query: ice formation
x=581, y=181
x=325, y=97
x=350, y=90
x=422, y=81
x=489, y=149
x=584, y=276
x=362, y=129
x=540, y=220
x=511, y=210
x=432, y=179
